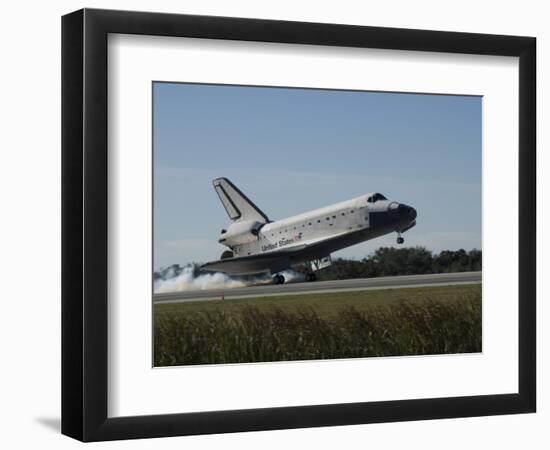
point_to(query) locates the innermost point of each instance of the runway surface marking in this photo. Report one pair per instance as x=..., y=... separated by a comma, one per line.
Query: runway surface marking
x=359, y=284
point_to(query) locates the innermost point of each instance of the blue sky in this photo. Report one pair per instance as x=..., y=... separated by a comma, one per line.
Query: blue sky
x=292, y=150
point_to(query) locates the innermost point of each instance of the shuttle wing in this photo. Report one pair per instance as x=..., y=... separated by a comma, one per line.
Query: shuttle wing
x=246, y=265
x=277, y=260
x=238, y=206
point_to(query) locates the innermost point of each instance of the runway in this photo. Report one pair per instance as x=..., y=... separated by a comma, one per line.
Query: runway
x=440, y=279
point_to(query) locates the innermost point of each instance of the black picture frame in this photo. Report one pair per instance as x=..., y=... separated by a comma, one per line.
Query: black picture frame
x=84, y=224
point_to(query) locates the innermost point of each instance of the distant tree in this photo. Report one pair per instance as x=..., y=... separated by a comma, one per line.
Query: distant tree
x=474, y=257
x=457, y=261
x=175, y=270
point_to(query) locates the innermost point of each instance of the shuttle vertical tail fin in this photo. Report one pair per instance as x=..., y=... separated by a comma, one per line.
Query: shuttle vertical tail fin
x=238, y=206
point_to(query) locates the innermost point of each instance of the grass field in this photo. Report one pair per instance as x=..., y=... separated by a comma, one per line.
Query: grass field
x=389, y=322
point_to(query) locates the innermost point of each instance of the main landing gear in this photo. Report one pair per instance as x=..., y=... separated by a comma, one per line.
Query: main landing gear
x=311, y=276
x=280, y=279
x=400, y=240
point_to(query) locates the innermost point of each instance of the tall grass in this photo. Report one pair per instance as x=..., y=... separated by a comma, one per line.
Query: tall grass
x=272, y=334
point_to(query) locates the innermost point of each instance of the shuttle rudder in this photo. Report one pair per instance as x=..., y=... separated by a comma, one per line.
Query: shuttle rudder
x=237, y=205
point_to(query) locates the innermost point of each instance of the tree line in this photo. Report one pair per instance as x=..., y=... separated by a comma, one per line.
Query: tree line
x=390, y=261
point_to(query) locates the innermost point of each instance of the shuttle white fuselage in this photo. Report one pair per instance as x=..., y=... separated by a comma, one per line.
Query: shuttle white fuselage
x=307, y=228
x=259, y=245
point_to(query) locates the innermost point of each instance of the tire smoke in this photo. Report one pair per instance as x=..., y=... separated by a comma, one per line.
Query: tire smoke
x=187, y=279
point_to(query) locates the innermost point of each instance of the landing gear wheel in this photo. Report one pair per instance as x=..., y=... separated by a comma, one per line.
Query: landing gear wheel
x=400, y=240
x=311, y=276
x=278, y=279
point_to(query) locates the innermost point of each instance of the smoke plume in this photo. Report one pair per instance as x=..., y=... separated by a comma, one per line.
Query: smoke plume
x=188, y=279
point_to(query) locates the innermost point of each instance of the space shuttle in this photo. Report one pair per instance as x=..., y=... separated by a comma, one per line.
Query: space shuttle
x=258, y=245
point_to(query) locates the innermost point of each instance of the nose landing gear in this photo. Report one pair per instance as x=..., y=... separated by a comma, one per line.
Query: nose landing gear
x=278, y=279
x=400, y=240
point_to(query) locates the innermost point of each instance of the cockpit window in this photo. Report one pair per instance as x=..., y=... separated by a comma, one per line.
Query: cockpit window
x=374, y=198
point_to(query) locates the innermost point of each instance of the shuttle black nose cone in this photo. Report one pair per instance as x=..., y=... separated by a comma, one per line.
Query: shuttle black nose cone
x=407, y=212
